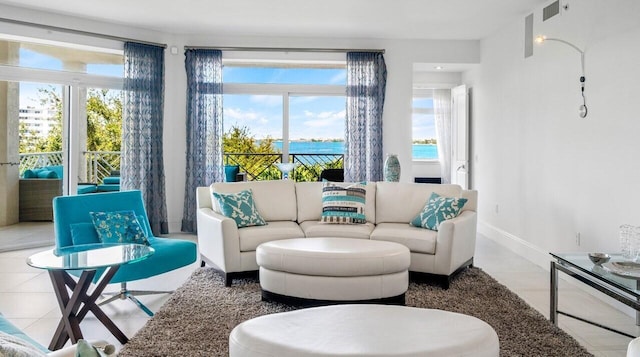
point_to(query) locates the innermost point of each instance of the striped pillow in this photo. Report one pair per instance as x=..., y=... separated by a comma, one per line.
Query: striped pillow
x=343, y=203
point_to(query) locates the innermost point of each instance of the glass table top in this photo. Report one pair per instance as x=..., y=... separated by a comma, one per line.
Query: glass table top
x=90, y=256
x=582, y=262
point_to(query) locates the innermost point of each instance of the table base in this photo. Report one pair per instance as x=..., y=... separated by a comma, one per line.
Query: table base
x=70, y=306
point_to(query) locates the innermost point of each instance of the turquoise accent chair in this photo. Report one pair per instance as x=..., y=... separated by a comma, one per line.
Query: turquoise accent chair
x=169, y=253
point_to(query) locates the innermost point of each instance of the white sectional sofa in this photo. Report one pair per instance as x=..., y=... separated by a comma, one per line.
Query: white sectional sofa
x=293, y=210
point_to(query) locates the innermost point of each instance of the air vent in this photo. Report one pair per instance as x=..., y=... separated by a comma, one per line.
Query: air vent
x=551, y=10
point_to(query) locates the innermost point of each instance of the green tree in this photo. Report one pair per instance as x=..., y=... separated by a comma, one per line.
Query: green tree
x=260, y=154
x=104, y=122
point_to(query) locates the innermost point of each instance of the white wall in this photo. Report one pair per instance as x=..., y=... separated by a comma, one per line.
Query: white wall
x=543, y=174
x=400, y=56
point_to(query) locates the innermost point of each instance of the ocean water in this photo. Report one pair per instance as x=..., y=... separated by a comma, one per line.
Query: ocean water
x=420, y=151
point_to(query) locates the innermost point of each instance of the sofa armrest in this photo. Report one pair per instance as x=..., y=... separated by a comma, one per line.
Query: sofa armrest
x=456, y=242
x=218, y=240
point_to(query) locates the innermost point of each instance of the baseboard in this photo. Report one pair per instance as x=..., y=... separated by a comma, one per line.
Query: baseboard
x=517, y=245
x=541, y=257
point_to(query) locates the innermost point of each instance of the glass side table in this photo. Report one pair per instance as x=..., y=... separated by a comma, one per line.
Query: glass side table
x=87, y=258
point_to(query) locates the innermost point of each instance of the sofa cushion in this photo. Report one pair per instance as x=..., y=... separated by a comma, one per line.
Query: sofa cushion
x=437, y=210
x=58, y=169
x=343, y=203
x=309, y=201
x=31, y=173
x=400, y=202
x=318, y=229
x=118, y=227
x=418, y=240
x=252, y=237
x=46, y=174
x=240, y=207
x=275, y=199
x=111, y=180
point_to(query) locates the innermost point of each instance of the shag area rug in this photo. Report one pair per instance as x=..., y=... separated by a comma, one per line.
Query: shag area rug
x=198, y=318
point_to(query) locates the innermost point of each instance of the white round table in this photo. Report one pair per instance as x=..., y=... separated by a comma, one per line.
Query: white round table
x=364, y=330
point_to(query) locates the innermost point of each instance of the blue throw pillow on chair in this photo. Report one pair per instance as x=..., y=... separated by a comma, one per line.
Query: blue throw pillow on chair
x=118, y=227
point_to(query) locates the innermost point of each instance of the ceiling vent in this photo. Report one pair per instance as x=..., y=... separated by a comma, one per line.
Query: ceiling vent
x=551, y=10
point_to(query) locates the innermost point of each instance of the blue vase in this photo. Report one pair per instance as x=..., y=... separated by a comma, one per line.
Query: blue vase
x=392, y=168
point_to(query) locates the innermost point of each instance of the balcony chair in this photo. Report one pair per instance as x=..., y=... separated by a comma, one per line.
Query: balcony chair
x=169, y=253
x=334, y=175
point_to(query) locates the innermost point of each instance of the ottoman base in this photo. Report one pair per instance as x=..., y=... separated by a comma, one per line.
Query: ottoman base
x=302, y=302
x=334, y=288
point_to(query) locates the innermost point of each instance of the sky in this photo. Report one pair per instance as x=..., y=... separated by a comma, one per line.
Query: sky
x=310, y=117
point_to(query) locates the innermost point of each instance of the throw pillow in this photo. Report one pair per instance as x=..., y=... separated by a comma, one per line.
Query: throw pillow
x=14, y=346
x=118, y=227
x=240, y=207
x=84, y=233
x=343, y=203
x=437, y=210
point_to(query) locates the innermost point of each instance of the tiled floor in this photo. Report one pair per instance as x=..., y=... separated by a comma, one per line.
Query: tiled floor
x=27, y=298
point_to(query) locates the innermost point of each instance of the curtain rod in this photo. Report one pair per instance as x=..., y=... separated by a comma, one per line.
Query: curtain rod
x=283, y=49
x=80, y=32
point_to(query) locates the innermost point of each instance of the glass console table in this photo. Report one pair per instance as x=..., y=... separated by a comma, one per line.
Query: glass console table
x=88, y=259
x=579, y=267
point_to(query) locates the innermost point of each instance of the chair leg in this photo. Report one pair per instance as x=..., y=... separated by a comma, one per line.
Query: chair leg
x=227, y=279
x=202, y=264
x=125, y=293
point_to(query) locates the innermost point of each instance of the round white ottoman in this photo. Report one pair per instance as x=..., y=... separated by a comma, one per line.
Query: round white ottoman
x=315, y=271
x=364, y=330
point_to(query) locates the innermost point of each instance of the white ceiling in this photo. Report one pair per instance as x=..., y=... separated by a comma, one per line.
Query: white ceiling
x=393, y=19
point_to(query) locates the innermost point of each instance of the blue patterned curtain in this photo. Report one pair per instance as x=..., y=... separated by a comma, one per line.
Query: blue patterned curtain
x=142, y=166
x=204, y=127
x=366, y=81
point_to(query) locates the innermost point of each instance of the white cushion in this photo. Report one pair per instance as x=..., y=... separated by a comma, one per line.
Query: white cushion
x=333, y=256
x=418, y=240
x=252, y=237
x=364, y=330
x=275, y=199
x=309, y=196
x=399, y=202
x=318, y=229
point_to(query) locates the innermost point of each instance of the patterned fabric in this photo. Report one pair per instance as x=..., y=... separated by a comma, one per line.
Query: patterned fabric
x=142, y=165
x=240, y=207
x=343, y=203
x=437, y=210
x=204, y=127
x=366, y=82
x=118, y=227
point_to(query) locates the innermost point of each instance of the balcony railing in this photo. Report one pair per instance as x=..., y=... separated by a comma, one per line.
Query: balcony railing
x=99, y=164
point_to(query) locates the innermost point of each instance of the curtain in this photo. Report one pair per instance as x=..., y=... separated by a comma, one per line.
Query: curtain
x=142, y=166
x=442, y=116
x=204, y=127
x=366, y=81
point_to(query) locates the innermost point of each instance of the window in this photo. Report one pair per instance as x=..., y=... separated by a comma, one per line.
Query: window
x=293, y=110
x=50, y=88
x=424, y=126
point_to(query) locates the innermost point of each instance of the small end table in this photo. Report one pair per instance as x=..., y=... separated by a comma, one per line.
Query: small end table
x=88, y=258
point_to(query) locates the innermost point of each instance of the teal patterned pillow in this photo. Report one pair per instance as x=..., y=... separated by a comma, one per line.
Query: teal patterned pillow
x=437, y=210
x=239, y=207
x=343, y=203
x=118, y=227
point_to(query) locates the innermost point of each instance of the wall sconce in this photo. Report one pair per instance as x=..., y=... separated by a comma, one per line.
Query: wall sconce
x=582, y=110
